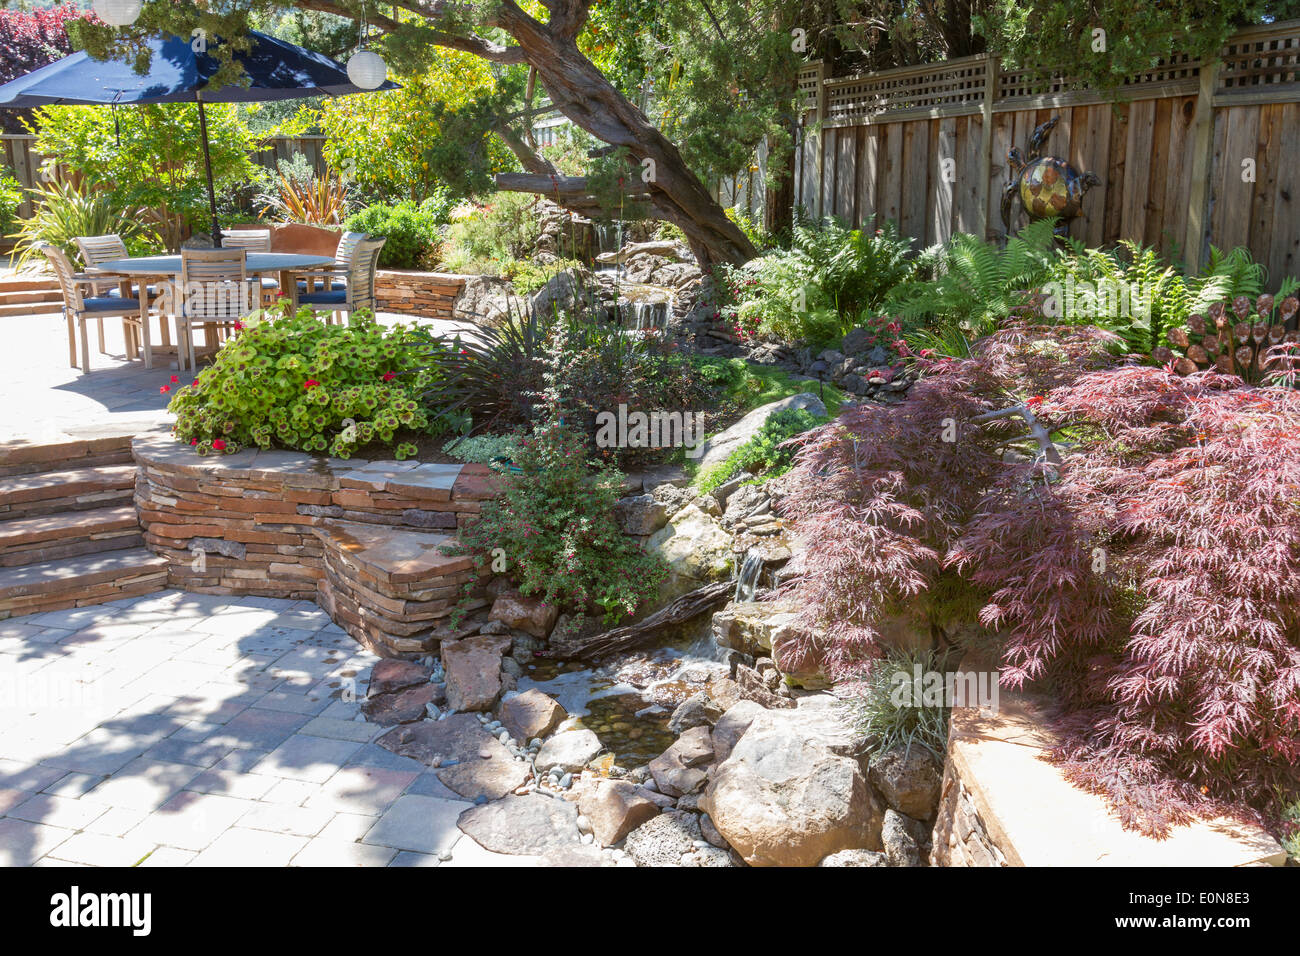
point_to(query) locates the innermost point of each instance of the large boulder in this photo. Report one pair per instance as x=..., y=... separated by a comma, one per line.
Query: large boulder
x=909, y=780
x=530, y=615
x=483, y=300
x=760, y=627
x=572, y=290
x=731, y=726
x=392, y=674
x=529, y=825
x=679, y=770
x=793, y=791
x=696, y=550
x=531, y=714
x=717, y=448
x=615, y=808
x=571, y=751
x=698, y=710
x=640, y=515
x=473, y=668
x=467, y=758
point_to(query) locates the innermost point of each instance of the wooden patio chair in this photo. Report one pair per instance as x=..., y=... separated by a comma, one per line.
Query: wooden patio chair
x=215, y=293
x=79, y=308
x=314, y=281
x=360, y=291
x=253, y=240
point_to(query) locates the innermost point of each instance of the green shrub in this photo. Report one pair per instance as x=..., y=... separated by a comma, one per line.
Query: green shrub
x=527, y=276
x=976, y=287
x=486, y=239
x=64, y=212
x=1165, y=296
x=555, y=523
x=897, y=719
x=11, y=197
x=483, y=449
x=291, y=381
x=412, y=231
x=763, y=453
x=744, y=386
x=816, y=290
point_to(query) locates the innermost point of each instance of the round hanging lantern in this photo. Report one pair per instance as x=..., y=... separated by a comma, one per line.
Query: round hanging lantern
x=118, y=13
x=367, y=70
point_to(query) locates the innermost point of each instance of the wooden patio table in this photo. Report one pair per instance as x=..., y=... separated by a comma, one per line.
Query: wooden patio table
x=162, y=269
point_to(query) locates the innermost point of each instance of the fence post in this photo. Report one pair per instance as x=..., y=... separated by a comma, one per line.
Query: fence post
x=991, y=73
x=1202, y=167
x=817, y=171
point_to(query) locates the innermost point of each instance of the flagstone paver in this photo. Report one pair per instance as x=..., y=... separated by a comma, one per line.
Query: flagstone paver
x=183, y=729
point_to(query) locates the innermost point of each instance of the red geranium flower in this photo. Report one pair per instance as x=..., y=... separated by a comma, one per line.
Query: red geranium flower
x=164, y=389
x=194, y=441
x=218, y=444
x=175, y=379
x=310, y=383
x=389, y=376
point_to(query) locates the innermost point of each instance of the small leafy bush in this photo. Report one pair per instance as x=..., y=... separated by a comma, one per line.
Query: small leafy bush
x=527, y=276
x=413, y=231
x=11, y=196
x=816, y=290
x=976, y=287
x=483, y=449
x=65, y=211
x=291, y=381
x=894, y=714
x=485, y=239
x=743, y=385
x=555, y=522
x=766, y=453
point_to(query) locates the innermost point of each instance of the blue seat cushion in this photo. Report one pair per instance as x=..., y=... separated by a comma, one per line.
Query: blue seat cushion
x=338, y=297
x=336, y=286
x=110, y=303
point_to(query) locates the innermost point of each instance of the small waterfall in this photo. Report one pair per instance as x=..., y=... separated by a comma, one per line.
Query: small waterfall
x=609, y=236
x=751, y=569
x=648, y=315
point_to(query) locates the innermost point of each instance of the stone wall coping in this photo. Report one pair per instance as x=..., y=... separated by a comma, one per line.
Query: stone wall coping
x=443, y=278
x=294, y=469
x=1038, y=818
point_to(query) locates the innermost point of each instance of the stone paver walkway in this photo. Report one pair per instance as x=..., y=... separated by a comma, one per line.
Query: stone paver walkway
x=189, y=729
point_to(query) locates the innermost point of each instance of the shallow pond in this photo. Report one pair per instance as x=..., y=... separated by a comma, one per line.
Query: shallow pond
x=628, y=700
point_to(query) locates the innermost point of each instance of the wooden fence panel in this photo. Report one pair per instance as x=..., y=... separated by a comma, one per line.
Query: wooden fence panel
x=909, y=146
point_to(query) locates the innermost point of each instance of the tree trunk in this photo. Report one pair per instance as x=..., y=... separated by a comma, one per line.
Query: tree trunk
x=592, y=103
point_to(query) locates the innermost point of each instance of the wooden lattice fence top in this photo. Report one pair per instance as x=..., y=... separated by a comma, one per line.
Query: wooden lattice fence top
x=1263, y=61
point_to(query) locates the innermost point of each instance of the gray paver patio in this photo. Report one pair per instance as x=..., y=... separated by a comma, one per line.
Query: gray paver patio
x=182, y=729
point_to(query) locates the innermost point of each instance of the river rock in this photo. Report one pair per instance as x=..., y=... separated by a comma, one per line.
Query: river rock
x=903, y=838
x=696, y=550
x=473, y=763
x=531, y=714
x=400, y=707
x=664, y=840
x=698, y=710
x=529, y=825
x=615, y=808
x=856, y=858
x=473, y=667
x=679, y=770
x=526, y=614
x=792, y=790
x=720, y=446
x=909, y=780
x=640, y=515
x=571, y=751
x=391, y=675
x=711, y=833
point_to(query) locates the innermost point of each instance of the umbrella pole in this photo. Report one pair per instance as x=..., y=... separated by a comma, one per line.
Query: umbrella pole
x=207, y=165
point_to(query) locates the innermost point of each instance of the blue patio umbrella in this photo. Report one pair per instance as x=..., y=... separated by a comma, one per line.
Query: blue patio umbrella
x=178, y=73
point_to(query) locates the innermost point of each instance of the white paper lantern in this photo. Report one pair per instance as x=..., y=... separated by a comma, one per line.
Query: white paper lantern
x=367, y=70
x=118, y=13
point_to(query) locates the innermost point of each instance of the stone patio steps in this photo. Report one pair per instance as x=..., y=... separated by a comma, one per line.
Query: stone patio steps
x=68, y=533
x=18, y=458
x=75, y=489
x=78, y=581
x=29, y=297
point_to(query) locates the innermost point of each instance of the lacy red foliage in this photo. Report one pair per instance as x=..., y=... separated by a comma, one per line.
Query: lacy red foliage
x=29, y=40
x=1149, y=580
